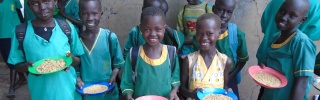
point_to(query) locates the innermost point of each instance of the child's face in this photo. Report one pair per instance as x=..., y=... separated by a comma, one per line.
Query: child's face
x=207, y=34
x=193, y=2
x=152, y=28
x=90, y=14
x=224, y=9
x=289, y=16
x=42, y=9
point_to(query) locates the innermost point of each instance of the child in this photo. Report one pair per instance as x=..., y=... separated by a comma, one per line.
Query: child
x=9, y=9
x=291, y=53
x=187, y=16
x=206, y=68
x=231, y=42
x=67, y=10
x=154, y=73
x=103, y=55
x=171, y=36
x=45, y=38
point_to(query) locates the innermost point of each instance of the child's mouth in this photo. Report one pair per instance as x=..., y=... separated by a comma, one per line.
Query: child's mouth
x=204, y=44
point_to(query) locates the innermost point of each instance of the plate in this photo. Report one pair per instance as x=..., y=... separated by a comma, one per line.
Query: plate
x=315, y=82
x=207, y=91
x=151, y=97
x=110, y=87
x=67, y=60
x=254, y=69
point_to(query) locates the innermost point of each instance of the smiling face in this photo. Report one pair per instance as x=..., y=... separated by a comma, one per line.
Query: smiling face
x=207, y=34
x=152, y=28
x=290, y=14
x=90, y=14
x=224, y=9
x=42, y=9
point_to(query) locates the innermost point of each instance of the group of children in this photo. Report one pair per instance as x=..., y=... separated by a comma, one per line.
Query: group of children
x=206, y=50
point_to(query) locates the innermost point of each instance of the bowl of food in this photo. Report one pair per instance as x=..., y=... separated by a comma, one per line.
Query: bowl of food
x=50, y=65
x=316, y=83
x=95, y=89
x=267, y=77
x=216, y=94
x=151, y=97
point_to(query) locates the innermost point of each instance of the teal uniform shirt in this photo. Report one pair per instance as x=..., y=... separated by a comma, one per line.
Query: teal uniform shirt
x=311, y=27
x=97, y=63
x=135, y=39
x=9, y=18
x=71, y=9
x=28, y=14
x=293, y=58
x=56, y=86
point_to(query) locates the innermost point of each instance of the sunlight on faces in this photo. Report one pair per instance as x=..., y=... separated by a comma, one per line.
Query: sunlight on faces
x=153, y=28
x=90, y=14
x=207, y=34
x=42, y=9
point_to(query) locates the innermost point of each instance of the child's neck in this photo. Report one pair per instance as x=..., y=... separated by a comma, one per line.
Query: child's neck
x=153, y=52
x=289, y=32
x=223, y=28
x=211, y=52
x=93, y=31
x=43, y=23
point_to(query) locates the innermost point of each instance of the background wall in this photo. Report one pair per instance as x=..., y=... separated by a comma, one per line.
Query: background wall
x=121, y=15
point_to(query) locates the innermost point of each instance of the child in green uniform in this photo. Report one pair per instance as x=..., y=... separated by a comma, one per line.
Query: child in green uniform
x=291, y=53
x=9, y=18
x=44, y=38
x=206, y=68
x=187, y=17
x=68, y=10
x=103, y=55
x=231, y=42
x=154, y=73
x=171, y=36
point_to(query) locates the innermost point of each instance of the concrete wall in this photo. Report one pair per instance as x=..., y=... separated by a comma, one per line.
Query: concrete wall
x=121, y=15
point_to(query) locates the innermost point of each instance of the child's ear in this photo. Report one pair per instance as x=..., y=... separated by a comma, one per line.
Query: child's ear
x=303, y=19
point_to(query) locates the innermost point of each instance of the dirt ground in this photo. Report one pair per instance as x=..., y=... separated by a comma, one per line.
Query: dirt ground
x=22, y=93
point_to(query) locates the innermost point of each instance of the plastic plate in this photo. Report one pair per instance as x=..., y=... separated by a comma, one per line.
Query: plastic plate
x=151, y=97
x=110, y=87
x=207, y=91
x=67, y=60
x=316, y=81
x=254, y=69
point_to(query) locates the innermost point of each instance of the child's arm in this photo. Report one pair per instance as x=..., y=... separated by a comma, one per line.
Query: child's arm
x=185, y=81
x=175, y=79
x=131, y=40
x=299, y=88
x=74, y=21
x=226, y=73
x=127, y=85
x=116, y=57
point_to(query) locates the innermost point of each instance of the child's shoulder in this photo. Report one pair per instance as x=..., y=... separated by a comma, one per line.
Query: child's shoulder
x=300, y=36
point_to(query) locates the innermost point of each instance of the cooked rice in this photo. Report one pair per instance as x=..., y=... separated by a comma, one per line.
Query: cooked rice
x=50, y=66
x=267, y=79
x=95, y=89
x=216, y=97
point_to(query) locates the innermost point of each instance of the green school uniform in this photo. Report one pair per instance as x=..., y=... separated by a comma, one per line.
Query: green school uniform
x=222, y=45
x=71, y=9
x=9, y=18
x=96, y=63
x=293, y=58
x=135, y=38
x=28, y=14
x=311, y=27
x=152, y=76
x=55, y=86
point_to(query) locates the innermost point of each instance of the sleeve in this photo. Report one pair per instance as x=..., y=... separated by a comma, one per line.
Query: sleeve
x=15, y=56
x=116, y=56
x=175, y=77
x=131, y=41
x=180, y=20
x=76, y=46
x=242, y=52
x=304, y=54
x=209, y=8
x=317, y=64
x=126, y=82
x=17, y=4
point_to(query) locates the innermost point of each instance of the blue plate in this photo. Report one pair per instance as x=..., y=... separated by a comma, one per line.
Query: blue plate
x=207, y=91
x=96, y=94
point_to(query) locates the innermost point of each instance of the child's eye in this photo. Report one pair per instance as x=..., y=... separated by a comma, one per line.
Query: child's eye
x=35, y=4
x=158, y=30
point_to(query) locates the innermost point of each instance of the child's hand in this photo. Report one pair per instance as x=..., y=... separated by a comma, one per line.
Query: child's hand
x=262, y=65
x=112, y=80
x=79, y=83
x=174, y=96
x=69, y=55
x=194, y=93
x=29, y=64
x=129, y=97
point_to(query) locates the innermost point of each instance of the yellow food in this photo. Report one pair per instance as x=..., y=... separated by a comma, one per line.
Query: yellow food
x=95, y=89
x=267, y=79
x=216, y=97
x=50, y=66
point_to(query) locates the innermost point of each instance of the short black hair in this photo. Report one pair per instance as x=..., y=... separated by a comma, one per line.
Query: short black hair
x=209, y=16
x=82, y=2
x=152, y=11
x=162, y=4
